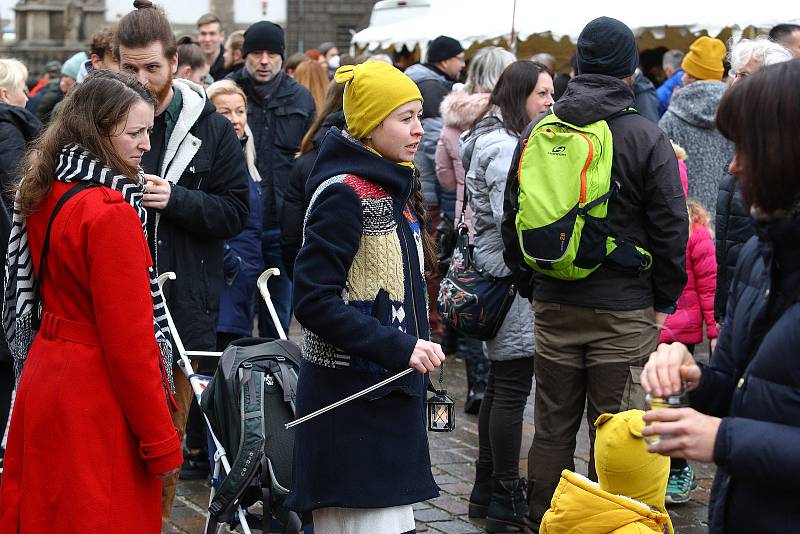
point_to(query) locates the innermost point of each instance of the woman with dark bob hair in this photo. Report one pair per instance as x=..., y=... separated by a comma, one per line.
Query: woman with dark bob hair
x=91, y=432
x=745, y=403
x=523, y=92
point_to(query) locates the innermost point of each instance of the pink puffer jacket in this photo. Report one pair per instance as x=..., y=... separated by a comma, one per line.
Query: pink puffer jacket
x=459, y=110
x=696, y=303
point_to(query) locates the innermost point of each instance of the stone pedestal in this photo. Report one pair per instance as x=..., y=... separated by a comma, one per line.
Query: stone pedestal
x=53, y=29
x=224, y=10
x=57, y=22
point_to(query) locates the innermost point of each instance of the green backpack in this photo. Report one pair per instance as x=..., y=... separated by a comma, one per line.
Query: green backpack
x=564, y=187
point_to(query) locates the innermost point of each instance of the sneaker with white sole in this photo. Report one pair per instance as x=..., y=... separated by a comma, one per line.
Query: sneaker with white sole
x=680, y=485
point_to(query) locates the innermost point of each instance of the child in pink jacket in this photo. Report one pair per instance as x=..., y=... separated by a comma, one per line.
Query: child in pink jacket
x=696, y=303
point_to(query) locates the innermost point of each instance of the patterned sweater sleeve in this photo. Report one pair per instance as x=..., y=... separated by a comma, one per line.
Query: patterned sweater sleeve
x=332, y=238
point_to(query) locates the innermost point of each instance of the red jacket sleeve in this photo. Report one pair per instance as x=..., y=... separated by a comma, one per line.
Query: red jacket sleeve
x=120, y=290
x=704, y=265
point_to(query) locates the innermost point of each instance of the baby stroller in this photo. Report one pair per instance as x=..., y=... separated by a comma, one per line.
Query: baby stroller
x=245, y=406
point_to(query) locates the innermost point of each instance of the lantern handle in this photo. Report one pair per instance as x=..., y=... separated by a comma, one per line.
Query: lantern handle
x=348, y=399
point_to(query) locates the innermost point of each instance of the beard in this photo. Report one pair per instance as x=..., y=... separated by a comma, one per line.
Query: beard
x=162, y=92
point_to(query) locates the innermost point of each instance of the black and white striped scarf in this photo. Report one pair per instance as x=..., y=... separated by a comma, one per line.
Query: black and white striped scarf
x=75, y=163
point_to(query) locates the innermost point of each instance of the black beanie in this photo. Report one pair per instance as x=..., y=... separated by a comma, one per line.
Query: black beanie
x=443, y=48
x=264, y=35
x=607, y=46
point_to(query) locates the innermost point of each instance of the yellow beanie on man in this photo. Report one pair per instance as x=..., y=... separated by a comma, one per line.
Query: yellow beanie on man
x=372, y=91
x=704, y=60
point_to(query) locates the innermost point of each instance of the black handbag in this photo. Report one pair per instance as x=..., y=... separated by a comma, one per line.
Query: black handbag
x=446, y=239
x=470, y=300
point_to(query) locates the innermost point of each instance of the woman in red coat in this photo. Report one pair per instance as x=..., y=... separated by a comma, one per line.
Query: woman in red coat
x=90, y=433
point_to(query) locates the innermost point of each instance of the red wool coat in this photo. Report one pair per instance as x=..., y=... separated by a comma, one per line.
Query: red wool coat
x=91, y=427
x=696, y=303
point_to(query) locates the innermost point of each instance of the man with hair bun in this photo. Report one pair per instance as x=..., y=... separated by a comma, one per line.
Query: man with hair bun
x=196, y=191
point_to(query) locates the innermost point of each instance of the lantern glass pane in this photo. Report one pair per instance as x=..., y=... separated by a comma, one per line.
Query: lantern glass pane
x=441, y=414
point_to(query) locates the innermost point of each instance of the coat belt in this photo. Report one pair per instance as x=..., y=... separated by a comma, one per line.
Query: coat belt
x=54, y=327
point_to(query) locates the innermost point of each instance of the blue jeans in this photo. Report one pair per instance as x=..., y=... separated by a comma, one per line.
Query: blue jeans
x=280, y=287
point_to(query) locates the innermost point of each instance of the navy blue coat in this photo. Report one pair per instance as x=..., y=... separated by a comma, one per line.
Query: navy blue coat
x=243, y=263
x=360, y=295
x=733, y=229
x=757, y=449
x=18, y=127
x=278, y=127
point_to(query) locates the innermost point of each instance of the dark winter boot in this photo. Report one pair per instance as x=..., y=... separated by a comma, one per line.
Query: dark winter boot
x=481, y=492
x=472, y=405
x=508, y=506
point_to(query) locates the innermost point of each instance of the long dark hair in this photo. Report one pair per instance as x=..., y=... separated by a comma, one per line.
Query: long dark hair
x=333, y=103
x=759, y=115
x=89, y=114
x=511, y=93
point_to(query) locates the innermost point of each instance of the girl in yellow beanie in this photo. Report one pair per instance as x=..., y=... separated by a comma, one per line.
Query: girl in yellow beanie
x=359, y=283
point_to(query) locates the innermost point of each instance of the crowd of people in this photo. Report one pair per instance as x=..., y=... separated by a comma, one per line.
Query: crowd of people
x=216, y=156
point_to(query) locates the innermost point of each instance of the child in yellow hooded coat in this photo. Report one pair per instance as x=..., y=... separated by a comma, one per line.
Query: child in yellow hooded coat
x=629, y=498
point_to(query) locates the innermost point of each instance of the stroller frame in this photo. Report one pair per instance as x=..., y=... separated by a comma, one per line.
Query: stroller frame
x=198, y=383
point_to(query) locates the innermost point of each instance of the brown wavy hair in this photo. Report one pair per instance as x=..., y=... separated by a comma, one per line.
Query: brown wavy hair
x=428, y=244
x=89, y=115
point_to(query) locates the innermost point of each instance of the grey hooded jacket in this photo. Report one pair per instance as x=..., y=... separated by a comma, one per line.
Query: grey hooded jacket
x=486, y=153
x=689, y=122
x=434, y=86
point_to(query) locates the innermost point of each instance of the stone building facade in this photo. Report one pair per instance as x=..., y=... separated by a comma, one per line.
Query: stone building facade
x=312, y=22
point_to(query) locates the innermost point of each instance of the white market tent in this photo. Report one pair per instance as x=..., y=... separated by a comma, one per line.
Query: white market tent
x=479, y=21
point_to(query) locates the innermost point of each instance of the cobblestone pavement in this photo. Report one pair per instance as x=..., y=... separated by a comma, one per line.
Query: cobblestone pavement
x=452, y=457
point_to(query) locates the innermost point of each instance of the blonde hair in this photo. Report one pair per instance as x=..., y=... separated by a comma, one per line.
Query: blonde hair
x=229, y=87
x=13, y=74
x=697, y=214
x=680, y=152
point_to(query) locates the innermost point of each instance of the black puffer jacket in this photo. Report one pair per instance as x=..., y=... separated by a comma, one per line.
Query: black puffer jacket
x=649, y=209
x=754, y=386
x=18, y=127
x=278, y=127
x=295, y=203
x=734, y=227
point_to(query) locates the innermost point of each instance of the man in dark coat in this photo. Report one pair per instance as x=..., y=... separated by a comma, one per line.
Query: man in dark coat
x=435, y=80
x=196, y=193
x=211, y=37
x=590, y=332
x=279, y=112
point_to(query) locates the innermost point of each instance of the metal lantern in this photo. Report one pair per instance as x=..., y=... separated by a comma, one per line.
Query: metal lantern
x=441, y=409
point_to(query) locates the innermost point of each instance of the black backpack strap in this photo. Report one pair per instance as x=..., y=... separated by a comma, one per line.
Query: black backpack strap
x=248, y=459
x=38, y=303
x=288, y=383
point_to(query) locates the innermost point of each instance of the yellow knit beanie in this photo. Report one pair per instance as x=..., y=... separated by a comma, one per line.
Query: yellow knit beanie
x=373, y=91
x=624, y=467
x=704, y=60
